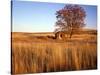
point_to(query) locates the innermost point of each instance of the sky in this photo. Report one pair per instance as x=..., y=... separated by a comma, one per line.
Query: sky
x=29, y=16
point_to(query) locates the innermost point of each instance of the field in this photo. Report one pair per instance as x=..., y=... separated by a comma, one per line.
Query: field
x=41, y=52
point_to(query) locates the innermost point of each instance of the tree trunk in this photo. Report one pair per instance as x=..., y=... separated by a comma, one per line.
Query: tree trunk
x=71, y=33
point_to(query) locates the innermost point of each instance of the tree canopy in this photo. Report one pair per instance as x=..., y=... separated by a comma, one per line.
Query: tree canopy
x=70, y=18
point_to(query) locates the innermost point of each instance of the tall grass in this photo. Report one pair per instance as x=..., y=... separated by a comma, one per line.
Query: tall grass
x=30, y=57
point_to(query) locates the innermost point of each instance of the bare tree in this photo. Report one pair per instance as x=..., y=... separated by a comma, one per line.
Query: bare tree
x=70, y=18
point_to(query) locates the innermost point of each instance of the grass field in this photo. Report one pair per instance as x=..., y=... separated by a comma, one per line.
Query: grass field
x=41, y=52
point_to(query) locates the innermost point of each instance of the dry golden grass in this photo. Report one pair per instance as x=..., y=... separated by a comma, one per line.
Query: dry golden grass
x=31, y=54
